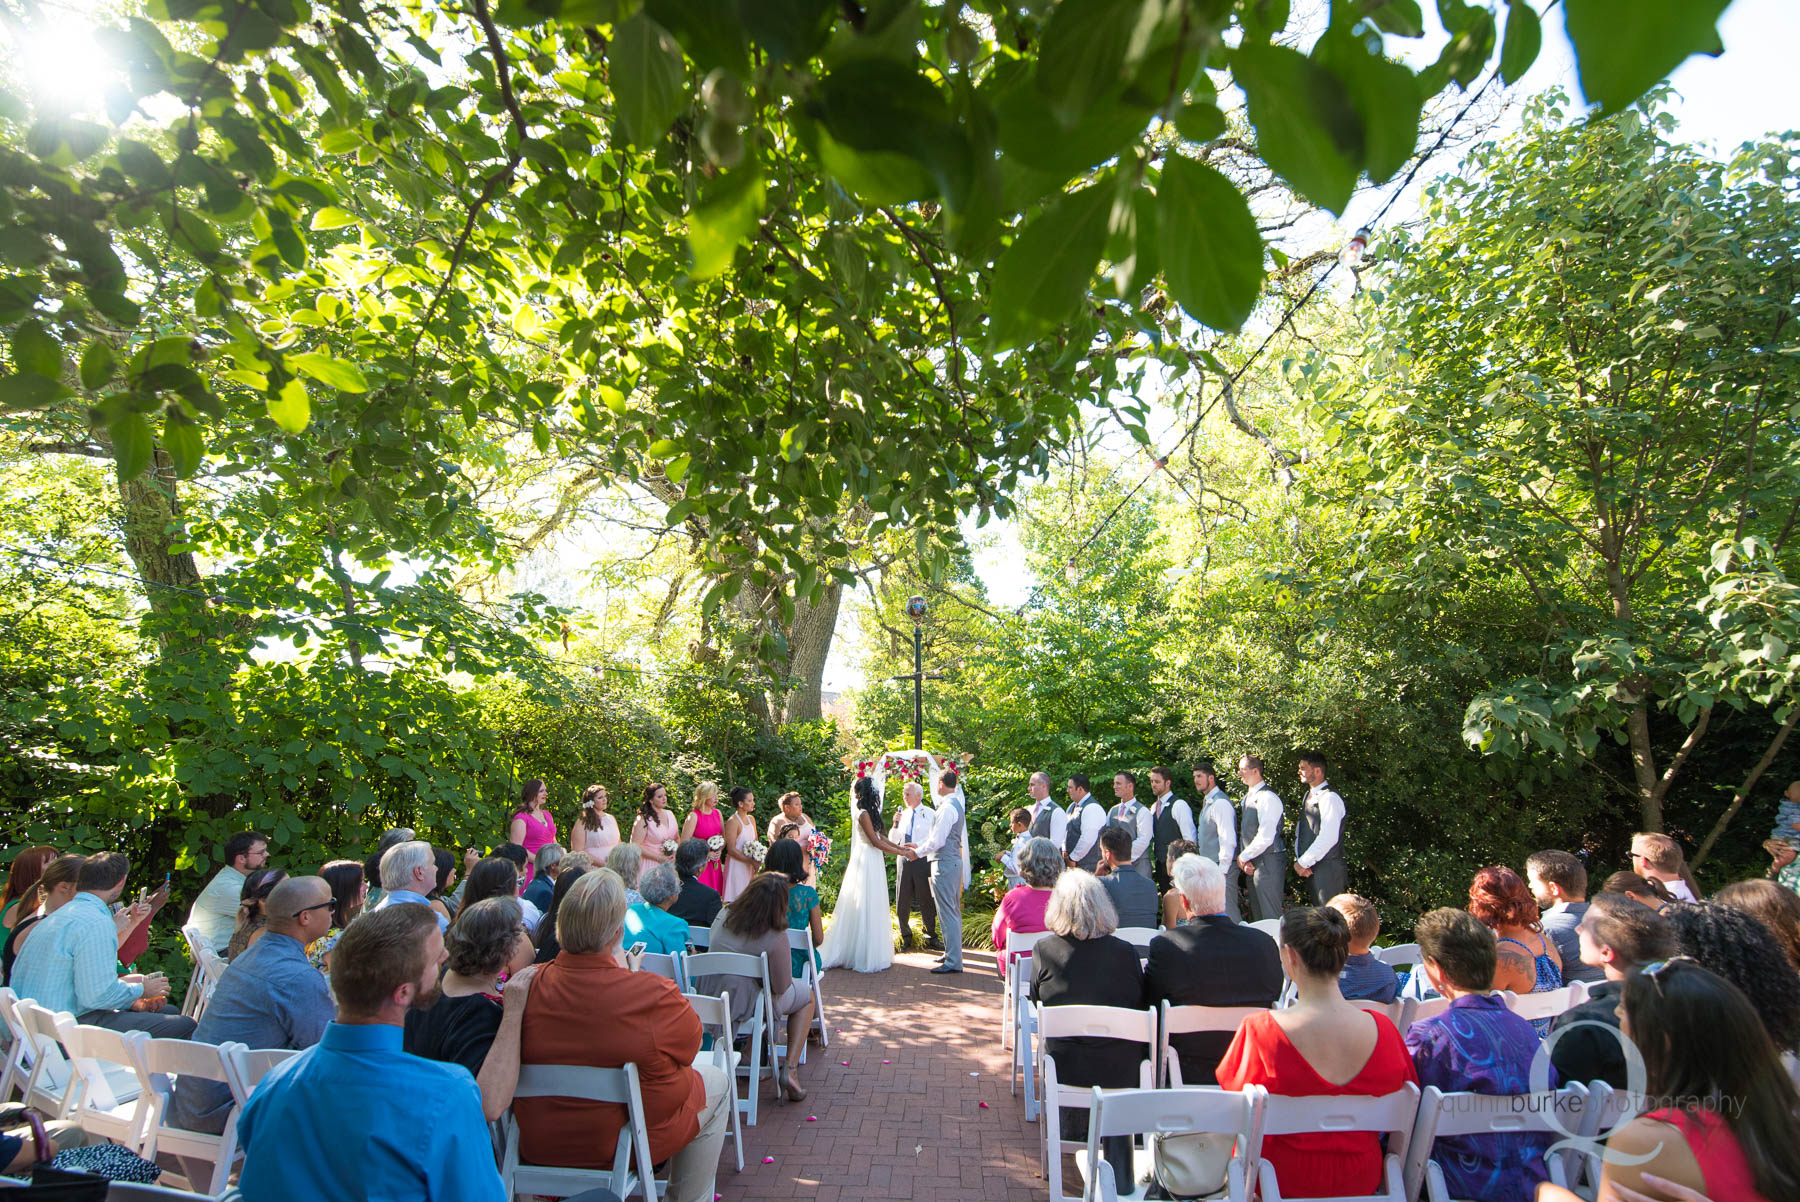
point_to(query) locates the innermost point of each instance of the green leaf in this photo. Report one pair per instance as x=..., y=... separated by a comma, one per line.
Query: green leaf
x=1045, y=273
x=1081, y=56
x=711, y=32
x=724, y=219
x=1524, y=38
x=334, y=373
x=880, y=107
x=792, y=31
x=291, y=408
x=35, y=350
x=1212, y=251
x=1306, y=126
x=1623, y=48
x=1031, y=136
x=97, y=363
x=677, y=468
x=1200, y=122
x=1401, y=17
x=133, y=445
x=28, y=390
x=331, y=218
x=182, y=438
x=1387, y=99
x=646, y=79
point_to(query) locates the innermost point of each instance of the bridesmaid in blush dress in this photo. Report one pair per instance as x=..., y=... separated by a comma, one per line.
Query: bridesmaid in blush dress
x=655, y=825
x=594, y=831
x=740, y=829
x=533, y=826
x=703, y=824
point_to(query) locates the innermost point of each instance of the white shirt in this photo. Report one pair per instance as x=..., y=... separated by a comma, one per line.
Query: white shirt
x=215, y=910
x=1059, y=821
x=1009, y=859
x=1146, y=826
x=942, y=820
x=914, y=821
x=1675, y=885
x=1091, y=819
x=1184, y=815
x=1331, y=823
x=1222, y=816
x=1267, y=804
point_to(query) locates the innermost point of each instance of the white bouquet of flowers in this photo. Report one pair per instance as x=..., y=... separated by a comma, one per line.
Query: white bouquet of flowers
x=716, y=843
x=756, y=850
x=669, y=846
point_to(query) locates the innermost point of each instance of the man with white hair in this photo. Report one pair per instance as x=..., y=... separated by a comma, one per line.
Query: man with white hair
x=1209, y=960
x=408, y=873
x=913, y=889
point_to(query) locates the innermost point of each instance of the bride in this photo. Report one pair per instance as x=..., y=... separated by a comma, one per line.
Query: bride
x=861, y=935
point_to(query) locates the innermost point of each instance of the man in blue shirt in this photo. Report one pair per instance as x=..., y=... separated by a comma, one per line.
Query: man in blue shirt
x=271, y=996
x=72, y=960
x=408, y=873
x=355, y=1119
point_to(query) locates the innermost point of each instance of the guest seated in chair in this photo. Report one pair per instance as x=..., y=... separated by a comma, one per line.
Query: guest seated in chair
x=1082, y=963
x=753, y=925
x=1617, y=936
x=644, y=1021
x=1321, y=1045
x=1022, y=909
x=649, y=922
x=698, y=903
x=1365, y=977
x=1172, y=913
x=1133, y=894
x=1476, y=1046
x=1210, y=959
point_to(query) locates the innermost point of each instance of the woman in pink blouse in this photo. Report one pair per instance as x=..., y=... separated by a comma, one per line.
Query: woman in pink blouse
x=533, y=826
x=1022, y=909
x=655, y=825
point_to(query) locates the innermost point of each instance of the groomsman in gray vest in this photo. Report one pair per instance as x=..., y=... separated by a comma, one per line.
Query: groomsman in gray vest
x=1217, y=831
x=1263, y=857
x=1081, y=842
x=1319, y=835
x=1170, y=819
x=1134, y=816
x=944, y=848
x=1047, y=818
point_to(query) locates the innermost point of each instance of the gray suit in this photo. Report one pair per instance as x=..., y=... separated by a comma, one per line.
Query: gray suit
x=1125, y=816
x=947, y=882
x=1268, y=878
x=1077, y=830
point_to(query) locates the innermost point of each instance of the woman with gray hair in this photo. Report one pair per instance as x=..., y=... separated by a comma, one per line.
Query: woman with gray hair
x=1022, y=909
x=627, y=861
x=646, y=1023
x=649, y=922
x=1082, y=963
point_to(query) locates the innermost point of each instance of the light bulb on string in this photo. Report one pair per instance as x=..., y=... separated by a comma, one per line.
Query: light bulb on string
x=1072, y=572
x=1351, y=255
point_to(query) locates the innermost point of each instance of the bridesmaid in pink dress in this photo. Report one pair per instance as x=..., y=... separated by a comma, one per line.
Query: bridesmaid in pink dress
x=594, y=831
x=533, y=826
x=655, y=825
x=740, y=829
x=704, y=823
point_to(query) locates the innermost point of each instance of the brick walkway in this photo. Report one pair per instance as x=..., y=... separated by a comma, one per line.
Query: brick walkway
x=913, y=1128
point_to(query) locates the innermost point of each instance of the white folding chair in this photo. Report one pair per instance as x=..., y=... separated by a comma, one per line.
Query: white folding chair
x=166, y=1059
x=1533, y=1007
x=1018, y=1015
x=19, y=1057
x=1090, y=1022
x=110, y=1095
x=632, y=1169
x=1149, y=1112
x=248, y=1066
x=49, y=1087
x=1554, y=1113
x=1394, y=1116
x=754, y=1029
x=1191, y=1020
x=1138, y=937
x=1607, y=1110
x=802, y=941
x=1401, y=955
x=1399, y=1011
x=664, y=964
x=1425, y=1008
x=715, y=1016
x=207, y=968
x=1268, y=926
x=699, y=937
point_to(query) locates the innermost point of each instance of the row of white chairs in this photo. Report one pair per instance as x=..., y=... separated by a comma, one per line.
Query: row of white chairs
x=209, y=966
x=1411, y=1121
x=700, y=939
x=118, y=1085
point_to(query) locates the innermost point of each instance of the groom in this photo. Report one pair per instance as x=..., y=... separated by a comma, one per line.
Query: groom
x=944, y=848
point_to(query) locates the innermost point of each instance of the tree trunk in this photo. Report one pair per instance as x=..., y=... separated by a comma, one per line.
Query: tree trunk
x=1643, y=767
x=150, y=505
x=1743, y=790
x=809, y=644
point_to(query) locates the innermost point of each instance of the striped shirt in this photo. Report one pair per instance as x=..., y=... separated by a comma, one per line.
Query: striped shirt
x=72, y=961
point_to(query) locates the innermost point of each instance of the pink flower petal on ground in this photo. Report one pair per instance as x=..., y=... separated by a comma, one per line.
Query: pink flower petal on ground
x=974, y=1074
x=768, y=1160
x=983, y=1105
x=812, y=1118
x=845, y=1063
x=887, y=1061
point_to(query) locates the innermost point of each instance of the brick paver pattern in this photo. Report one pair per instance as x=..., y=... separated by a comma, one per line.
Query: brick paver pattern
x=909, y=1128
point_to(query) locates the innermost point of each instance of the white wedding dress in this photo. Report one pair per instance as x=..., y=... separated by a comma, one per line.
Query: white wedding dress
x=861, y=935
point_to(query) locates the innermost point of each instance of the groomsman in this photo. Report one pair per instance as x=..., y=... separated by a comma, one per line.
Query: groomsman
x=1047, y=818
x=1081, y=842
x=1132, y=815
x=1263, y=857
x=913, y=888
x=1218, y=828
x=1319, y=835
x=1170, y=819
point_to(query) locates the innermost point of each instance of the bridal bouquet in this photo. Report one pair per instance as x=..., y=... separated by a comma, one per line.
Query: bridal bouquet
x=756, y=850
x=819, y=848
x=716, y=843
x=669, y=846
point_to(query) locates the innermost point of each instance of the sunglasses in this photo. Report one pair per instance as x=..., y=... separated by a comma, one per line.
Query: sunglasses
x=1655, y=970
x=331, y=903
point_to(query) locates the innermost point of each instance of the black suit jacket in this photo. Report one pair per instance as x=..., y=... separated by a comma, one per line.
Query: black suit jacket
x=1090, y=972
x=1589, y=1053
x=1210, y=961
x=696, y=903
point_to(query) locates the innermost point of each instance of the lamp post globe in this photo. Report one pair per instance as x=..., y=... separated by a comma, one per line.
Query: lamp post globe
x=915, y=608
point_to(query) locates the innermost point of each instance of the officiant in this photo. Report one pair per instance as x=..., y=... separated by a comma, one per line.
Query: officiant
x=912, y=888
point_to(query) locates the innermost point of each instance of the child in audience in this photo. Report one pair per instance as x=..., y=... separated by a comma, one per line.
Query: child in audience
x=1365, y=978
x=1021, y=832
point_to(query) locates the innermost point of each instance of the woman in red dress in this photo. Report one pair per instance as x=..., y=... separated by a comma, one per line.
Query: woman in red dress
x=1319, y=1046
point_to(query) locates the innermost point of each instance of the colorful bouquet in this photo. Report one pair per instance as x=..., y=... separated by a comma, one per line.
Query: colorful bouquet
x=819, y=848
x=669, y=846
x=756, y=850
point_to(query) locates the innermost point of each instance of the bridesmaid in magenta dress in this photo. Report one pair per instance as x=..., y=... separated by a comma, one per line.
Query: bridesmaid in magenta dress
x=704, y=823
x=533, y=826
